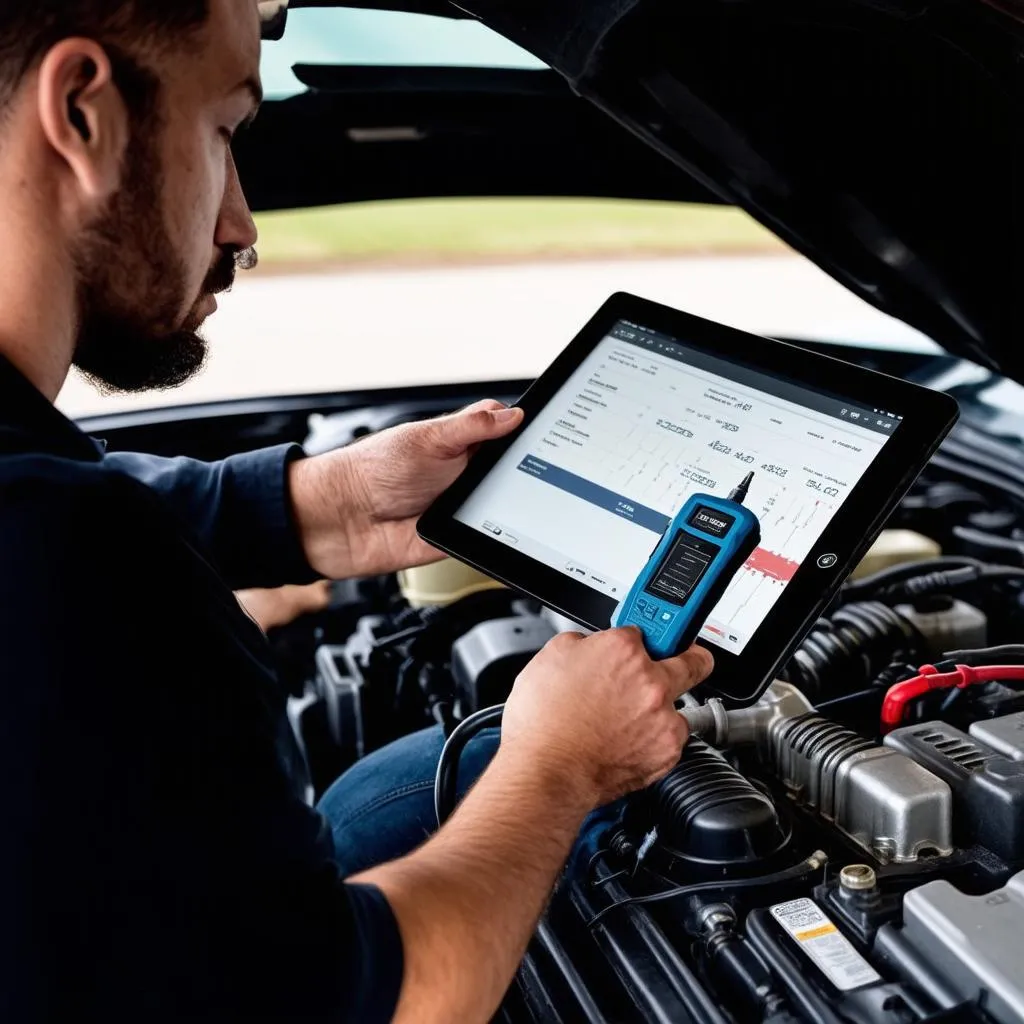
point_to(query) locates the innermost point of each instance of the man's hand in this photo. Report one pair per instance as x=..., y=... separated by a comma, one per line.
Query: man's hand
x=598, y=712
x=357, y=507
x=589, y=719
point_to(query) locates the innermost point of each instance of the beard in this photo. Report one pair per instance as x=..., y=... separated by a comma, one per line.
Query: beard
x=132, y=288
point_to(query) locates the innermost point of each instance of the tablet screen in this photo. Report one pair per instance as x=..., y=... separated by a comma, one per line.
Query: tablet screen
x=591, y=484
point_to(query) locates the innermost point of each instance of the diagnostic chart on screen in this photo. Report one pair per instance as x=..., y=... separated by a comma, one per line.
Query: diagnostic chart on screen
x=592, y=483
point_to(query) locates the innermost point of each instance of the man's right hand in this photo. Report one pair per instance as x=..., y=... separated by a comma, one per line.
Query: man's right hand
x=598, y=712
x=589, y=720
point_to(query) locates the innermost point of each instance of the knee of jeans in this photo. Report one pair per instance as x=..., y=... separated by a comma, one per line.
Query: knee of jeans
x=477, y=755
x=400, y=772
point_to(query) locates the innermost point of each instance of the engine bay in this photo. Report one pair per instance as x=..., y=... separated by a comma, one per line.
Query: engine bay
x=849, y=848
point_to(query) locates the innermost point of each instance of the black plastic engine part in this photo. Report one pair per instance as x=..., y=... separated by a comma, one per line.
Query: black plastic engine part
x=988, y=789
x=486, y=660
x=862, y=912
x=993, y=700
x=934, y=508
x=735, y=966
x=708, y=814
x=392, y=675
x=994, y=520
x=845, y=652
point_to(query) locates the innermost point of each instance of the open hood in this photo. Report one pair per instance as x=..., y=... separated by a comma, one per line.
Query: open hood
x=881, y=138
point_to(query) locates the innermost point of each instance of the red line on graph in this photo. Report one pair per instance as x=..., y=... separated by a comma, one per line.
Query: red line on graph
x=770, y=564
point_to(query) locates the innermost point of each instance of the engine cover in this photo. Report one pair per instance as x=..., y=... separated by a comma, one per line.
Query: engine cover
x=880, y=798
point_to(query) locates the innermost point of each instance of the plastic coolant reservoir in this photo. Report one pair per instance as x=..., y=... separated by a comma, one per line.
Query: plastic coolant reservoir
x=443, y=582
x=896, y=547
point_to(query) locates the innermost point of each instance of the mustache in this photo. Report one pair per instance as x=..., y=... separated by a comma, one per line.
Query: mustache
x=222, y=274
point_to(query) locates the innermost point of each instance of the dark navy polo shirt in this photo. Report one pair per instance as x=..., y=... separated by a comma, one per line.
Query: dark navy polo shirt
x=158, y=858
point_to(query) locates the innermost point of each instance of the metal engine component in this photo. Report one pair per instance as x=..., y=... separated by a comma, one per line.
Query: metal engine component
x=1004, y=735
x=974, y=942
x=881, y=799
x=858, y=878
x=988, y=788
x=721, y=728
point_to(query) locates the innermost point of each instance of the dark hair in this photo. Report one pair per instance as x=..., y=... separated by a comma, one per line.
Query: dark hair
x=29, y=28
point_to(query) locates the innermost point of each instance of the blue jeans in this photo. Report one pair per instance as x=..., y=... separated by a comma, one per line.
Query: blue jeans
x=383, y=806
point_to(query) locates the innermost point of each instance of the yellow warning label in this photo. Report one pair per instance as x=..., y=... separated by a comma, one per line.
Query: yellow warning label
x=815, y=933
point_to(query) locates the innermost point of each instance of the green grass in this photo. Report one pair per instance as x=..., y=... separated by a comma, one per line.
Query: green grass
x=464, y=230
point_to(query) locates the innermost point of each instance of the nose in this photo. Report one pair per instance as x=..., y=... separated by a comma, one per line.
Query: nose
x=236, y=228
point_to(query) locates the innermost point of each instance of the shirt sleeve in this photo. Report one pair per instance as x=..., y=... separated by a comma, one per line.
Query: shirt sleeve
x=237, y=508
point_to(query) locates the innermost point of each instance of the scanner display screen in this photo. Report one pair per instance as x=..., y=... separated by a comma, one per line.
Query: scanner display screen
x=644, y=422
x=683, y=567
x=711, y=520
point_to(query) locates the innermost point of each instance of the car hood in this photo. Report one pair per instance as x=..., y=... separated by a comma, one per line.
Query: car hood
x=881, y=138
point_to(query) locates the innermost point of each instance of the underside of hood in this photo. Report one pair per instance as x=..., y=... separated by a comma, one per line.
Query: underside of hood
x=880, y=138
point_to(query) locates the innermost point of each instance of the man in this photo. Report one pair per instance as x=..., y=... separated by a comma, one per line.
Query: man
x=159, y=859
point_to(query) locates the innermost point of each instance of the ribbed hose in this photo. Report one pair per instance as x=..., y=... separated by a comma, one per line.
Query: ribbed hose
x=847, y=651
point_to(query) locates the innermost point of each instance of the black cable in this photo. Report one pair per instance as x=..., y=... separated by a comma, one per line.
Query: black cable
x=1005, y=654
x=593, y=860
x=610, y=878
x=847, y=699
x=396, y=638
x=1002, y=572
x=815, y=862
x=1009, y=653
x=447, y=778
x=857, y=589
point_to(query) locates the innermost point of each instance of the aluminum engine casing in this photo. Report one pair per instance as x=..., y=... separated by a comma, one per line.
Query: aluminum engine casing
x=880, y=798
x=975, y=941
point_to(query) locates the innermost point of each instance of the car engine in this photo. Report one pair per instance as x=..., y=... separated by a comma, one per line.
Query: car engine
x=849, y=848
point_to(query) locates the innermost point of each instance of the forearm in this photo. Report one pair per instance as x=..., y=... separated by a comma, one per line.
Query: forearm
x=468, y=901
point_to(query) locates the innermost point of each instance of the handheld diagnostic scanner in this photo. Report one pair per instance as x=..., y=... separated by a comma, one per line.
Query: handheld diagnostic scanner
x=689, y=569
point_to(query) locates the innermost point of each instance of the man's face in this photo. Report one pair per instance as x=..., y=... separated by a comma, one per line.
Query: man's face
x=150, y=265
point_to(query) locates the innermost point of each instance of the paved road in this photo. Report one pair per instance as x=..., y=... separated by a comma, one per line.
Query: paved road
x=374, y=328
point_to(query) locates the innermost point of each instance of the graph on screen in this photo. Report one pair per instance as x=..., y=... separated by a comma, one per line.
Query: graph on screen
x=641, y=429
x=633, y=433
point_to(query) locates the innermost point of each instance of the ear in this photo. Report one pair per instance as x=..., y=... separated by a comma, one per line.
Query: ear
x=83, y=117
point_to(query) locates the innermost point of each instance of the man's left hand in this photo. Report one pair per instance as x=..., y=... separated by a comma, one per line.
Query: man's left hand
x=357, y=507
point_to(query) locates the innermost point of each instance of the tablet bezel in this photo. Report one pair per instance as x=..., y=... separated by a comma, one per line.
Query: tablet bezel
x=738, y=679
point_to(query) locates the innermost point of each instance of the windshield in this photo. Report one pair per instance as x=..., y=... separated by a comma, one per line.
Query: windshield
x=373, y=295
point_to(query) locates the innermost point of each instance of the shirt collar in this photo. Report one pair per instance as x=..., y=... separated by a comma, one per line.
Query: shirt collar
x=29, y=423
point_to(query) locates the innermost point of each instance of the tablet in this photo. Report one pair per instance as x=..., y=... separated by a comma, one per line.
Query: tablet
x=648, y=405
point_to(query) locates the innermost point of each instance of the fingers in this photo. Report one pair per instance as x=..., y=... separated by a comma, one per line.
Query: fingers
x=482, y=421
x=687, y=670
x=566, y=640
x=485, y=404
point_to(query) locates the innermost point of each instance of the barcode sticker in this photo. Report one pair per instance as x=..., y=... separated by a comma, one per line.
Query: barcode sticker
x=827, y=947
